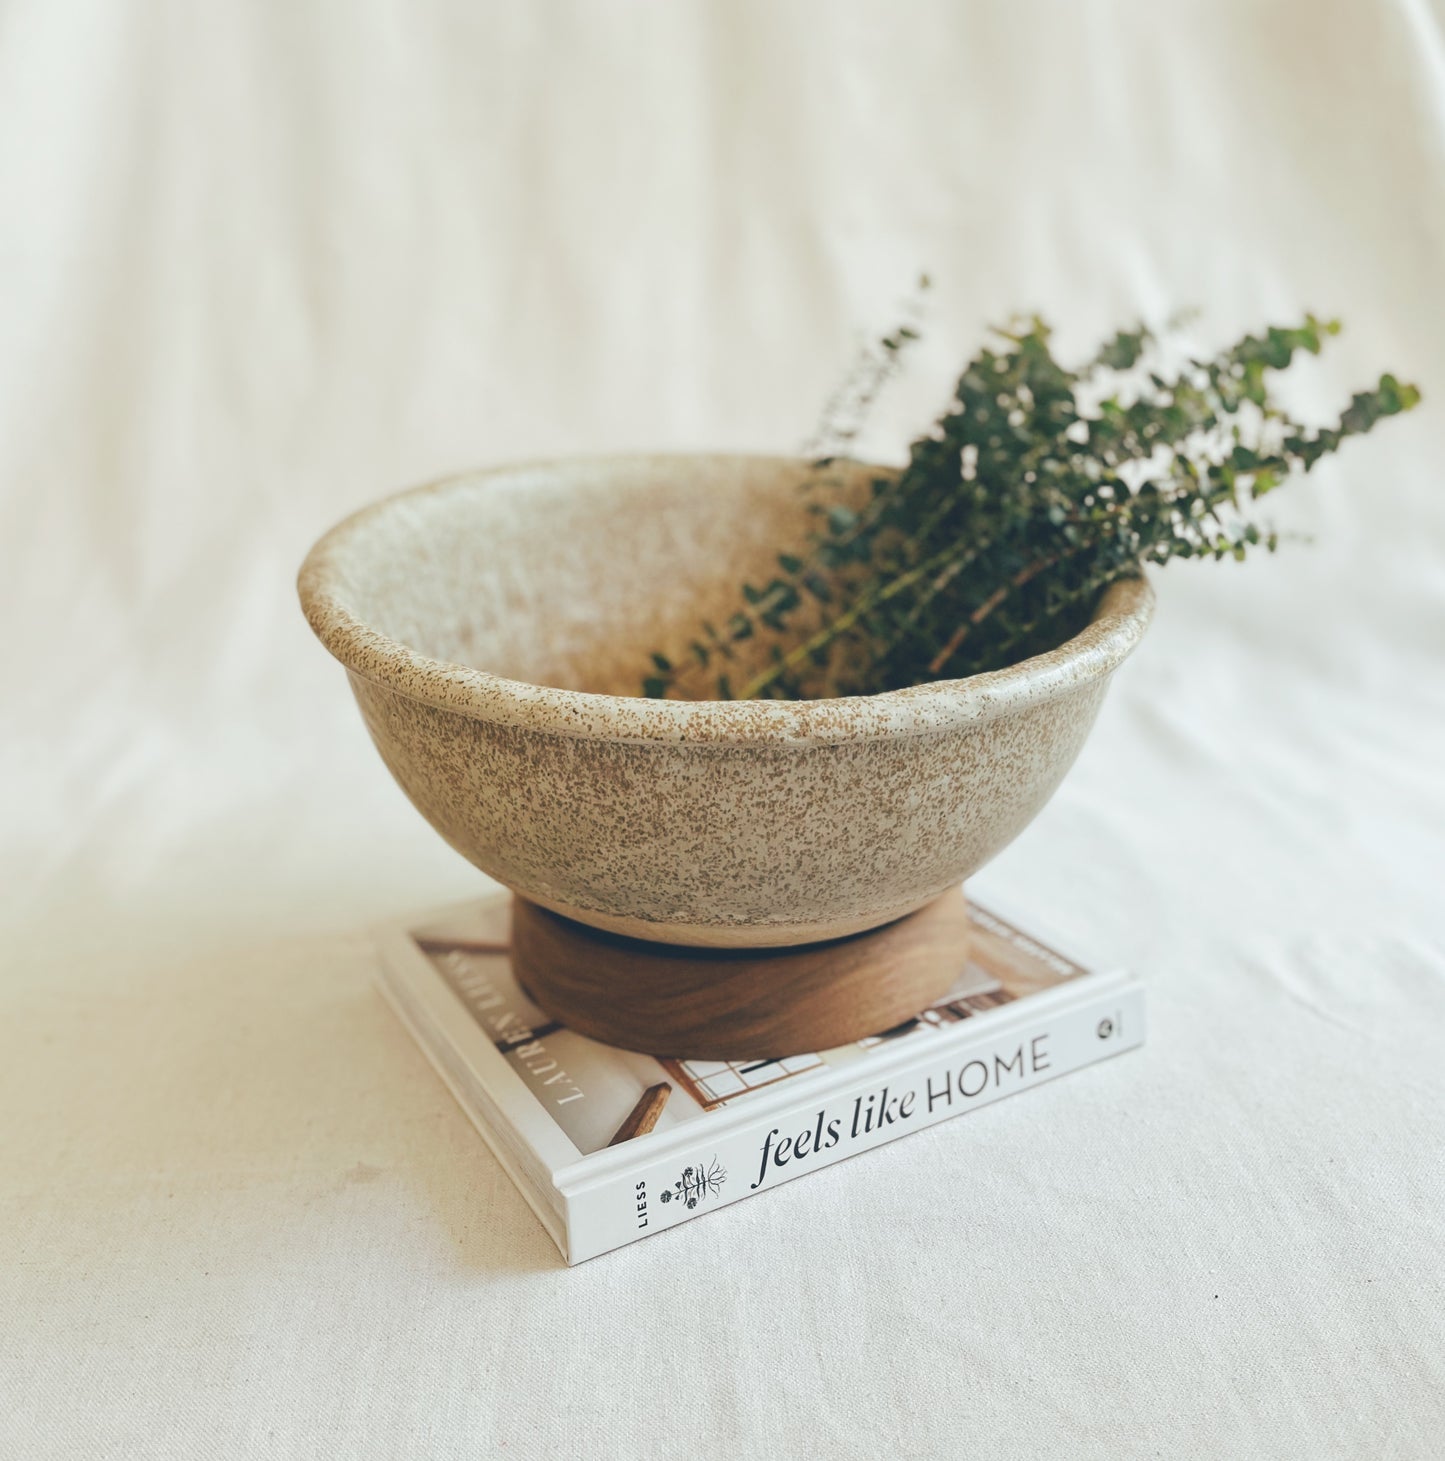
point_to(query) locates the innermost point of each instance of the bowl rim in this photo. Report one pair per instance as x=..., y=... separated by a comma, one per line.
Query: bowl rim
x=1118, y=623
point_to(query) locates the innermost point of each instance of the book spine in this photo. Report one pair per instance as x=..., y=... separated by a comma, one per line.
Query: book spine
x=654, y=1194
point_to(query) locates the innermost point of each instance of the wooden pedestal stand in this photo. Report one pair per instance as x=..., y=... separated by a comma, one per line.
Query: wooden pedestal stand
x=730, y=1004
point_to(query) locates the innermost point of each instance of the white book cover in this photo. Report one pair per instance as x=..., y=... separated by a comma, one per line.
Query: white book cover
x=609, y=1145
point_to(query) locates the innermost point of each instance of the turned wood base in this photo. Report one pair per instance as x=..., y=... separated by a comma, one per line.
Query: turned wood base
x=731, y=1004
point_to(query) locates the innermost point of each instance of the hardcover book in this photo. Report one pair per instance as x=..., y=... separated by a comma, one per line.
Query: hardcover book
x=608, y=1145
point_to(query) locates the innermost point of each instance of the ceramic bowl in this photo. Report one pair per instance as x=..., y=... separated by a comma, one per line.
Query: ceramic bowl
x=495, y=628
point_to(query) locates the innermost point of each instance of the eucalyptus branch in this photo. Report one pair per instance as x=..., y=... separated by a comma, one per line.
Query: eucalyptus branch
x=1036, y=487
x=880, y=593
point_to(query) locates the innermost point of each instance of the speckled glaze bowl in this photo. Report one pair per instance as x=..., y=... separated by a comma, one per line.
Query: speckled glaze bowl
x=495, y=626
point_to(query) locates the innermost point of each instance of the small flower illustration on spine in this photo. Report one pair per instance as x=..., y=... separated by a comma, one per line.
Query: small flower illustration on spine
x=696, y=1183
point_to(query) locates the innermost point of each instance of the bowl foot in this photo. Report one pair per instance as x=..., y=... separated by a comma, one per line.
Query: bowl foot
x=730, y=1004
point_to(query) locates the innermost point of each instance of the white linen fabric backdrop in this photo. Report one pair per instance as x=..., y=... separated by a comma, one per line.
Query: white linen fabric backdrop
x=266, y=262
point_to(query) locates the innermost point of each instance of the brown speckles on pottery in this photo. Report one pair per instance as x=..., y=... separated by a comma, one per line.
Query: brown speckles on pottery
x=481, y=618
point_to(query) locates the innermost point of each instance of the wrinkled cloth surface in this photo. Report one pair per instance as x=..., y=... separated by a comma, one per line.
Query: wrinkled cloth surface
x=265, y=262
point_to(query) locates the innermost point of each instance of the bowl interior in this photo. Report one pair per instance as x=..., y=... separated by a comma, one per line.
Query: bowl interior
x=568, y=574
